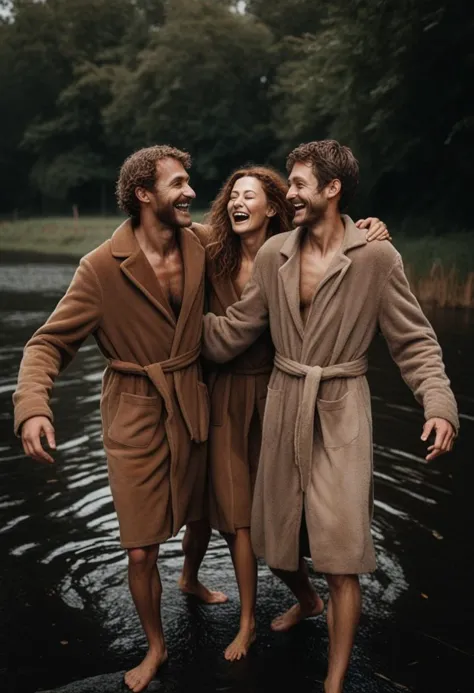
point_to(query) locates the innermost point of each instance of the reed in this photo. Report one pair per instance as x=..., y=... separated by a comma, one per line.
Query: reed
x=440, y=269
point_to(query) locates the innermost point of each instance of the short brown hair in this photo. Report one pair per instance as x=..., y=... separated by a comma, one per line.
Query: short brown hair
x=225, y=249
x=329, y=160
x=139, y=171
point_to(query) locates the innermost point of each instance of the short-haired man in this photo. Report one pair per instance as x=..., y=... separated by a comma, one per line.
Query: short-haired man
x=324, y=291
x=141, y=295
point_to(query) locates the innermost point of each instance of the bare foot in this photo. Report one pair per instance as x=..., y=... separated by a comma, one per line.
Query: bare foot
x=241, y=644
x=138, y=679
x=296, y=614
x=197, y=589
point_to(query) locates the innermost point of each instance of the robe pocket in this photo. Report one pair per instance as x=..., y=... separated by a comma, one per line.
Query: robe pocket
x=135, y=420
x=338, y=420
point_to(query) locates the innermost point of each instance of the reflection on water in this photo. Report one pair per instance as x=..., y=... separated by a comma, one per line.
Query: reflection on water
x=59, y=519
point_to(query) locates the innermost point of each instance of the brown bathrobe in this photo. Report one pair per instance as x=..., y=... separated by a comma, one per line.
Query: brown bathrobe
x=238, y=391
x=155, y=410
x=316, y=455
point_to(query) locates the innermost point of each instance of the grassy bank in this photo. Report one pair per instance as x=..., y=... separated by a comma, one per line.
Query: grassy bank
x=61, y=235
x=440, y=268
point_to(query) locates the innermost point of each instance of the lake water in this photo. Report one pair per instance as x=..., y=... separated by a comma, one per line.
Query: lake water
x=66, y=614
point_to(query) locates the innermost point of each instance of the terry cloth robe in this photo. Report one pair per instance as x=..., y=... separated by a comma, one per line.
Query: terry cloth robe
x=154, y=407
x=237, y=391
x=316, y=455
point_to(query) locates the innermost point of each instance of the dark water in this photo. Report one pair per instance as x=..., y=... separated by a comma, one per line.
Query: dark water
x=65, y=610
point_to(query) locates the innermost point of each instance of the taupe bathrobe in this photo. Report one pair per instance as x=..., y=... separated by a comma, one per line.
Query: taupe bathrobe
x=238, y=392
x=316, y=455
x=154, y=406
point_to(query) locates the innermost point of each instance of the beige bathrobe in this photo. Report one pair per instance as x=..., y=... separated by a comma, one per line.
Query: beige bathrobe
x=155, y=409
x=316, y=455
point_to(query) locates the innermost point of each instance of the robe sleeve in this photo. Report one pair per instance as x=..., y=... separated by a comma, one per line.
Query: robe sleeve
x=54, y=345
x=414, y=347
x=227, y=336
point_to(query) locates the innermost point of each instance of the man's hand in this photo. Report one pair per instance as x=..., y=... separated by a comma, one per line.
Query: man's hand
x=444, y=440
x=31, y=433
x=377, y=230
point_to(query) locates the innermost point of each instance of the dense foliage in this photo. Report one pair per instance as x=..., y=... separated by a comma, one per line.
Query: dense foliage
x=84, y=82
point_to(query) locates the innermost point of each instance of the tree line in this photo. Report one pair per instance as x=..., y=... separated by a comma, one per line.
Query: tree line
x=85, y=82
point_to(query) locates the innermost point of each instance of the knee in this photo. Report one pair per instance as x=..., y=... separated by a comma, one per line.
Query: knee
x=143, y=557
x=338, y=583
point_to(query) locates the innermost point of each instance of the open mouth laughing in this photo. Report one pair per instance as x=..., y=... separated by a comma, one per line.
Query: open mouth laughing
x=240, y=217
x=298, y=206
x=182, y=206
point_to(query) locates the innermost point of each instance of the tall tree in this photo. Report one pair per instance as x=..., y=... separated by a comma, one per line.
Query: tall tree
x=394, y=80
x=201, y=85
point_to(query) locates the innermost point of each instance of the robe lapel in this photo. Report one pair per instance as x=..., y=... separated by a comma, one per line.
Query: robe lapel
x=194, y=257
x=337, y=270
x=353, y=238
x=290, y=275
x=225, y=292
x=138, y=270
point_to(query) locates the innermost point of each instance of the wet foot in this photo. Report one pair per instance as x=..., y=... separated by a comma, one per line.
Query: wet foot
x=197, y=589
x=139, y=678
x=241, y=644
x=296, y=614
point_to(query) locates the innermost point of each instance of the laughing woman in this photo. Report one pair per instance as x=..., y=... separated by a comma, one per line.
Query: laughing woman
x=250, y=208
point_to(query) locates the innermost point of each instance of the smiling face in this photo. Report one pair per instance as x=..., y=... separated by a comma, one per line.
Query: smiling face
x=248, y=207
x=310, y=203
x=171, y=195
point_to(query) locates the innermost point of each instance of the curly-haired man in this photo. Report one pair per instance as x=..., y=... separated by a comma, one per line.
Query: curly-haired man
x=141, y=295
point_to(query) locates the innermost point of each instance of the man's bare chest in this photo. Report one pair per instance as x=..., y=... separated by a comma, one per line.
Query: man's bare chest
x=312, y=273
x=169, y=273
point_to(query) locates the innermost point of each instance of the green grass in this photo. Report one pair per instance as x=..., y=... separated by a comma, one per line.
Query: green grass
x=60, y=235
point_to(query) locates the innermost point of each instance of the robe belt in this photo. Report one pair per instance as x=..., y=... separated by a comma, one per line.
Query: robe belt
x=156, y=373
x=313, y=375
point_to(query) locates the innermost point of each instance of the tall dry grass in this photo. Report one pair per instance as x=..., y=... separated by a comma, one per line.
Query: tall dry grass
x=440, y=269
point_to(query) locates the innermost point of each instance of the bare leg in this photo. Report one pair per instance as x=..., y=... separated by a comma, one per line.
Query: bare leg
x=145, y=587
x=309, y=602
x=343, y=617
x=195, y=543
x=245, y=566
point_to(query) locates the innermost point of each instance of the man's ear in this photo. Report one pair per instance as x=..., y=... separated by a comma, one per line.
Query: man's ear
x=142, y=195
x=333, y=188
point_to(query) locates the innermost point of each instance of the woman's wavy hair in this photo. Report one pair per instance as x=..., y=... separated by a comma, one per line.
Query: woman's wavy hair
x=224, y=245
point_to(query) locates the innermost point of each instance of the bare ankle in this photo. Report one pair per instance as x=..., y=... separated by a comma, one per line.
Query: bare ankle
x=333, y=684
x=247, y=623
x=188, y=580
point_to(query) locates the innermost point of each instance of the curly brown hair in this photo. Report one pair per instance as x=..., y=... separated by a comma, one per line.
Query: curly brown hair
x=139, y=171
x=224, y=247
x=329, y=160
